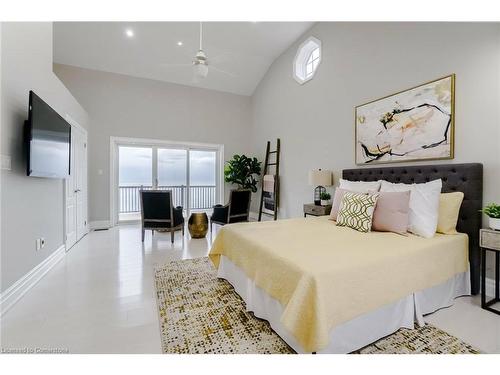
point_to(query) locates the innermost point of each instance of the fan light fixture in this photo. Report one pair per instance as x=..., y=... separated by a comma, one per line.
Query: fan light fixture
x=200, y=66
x=200, y=69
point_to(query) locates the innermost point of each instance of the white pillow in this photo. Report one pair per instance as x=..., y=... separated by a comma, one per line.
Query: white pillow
x=360, y=186
x=424, y=205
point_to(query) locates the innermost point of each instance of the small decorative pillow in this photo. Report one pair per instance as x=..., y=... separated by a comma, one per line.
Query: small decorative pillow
x=424, y=205
x=360, y=186
x=449, y=208
x=392, y=212
x=337, y=198
x=356, y=211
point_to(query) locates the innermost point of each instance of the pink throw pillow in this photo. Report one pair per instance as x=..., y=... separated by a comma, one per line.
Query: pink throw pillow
x=391, y=212
x=337, y=199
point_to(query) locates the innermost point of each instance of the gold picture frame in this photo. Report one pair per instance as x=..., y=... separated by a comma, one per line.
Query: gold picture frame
x=405, y=126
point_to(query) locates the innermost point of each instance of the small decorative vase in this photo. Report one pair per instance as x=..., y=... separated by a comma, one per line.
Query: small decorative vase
x=198, y=225
x=494, y=223
x=325, y=202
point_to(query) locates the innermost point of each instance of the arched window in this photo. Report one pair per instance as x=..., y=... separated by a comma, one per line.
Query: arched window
x=307, y=60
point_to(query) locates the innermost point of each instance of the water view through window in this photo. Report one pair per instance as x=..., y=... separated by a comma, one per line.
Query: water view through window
x=137, y=169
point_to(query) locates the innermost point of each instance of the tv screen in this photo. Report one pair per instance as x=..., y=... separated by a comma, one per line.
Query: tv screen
x=49, y=137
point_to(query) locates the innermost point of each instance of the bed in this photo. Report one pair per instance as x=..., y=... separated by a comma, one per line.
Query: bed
x=330, y=289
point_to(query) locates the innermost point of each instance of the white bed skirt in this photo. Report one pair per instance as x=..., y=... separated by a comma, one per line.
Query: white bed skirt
x=358, y=332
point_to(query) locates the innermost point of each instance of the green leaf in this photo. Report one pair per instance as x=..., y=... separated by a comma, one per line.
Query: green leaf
x=492, y=210
x=240, y=170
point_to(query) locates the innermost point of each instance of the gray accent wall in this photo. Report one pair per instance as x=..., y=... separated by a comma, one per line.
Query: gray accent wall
x=30, y=207
x=124, y=106
x=366, y=61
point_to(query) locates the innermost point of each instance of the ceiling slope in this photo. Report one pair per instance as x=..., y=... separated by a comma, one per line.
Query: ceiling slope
x=246, y=49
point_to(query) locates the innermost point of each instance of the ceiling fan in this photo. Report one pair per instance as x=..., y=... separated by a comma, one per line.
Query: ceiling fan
x=200, y=64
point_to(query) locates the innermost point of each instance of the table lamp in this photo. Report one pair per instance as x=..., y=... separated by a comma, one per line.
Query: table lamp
x=320, y=178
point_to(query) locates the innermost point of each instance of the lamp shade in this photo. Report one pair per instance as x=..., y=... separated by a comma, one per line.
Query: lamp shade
x=320, y=177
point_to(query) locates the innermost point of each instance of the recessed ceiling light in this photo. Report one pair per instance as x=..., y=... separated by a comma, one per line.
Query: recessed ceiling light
x=129, y=33
x=179, y=43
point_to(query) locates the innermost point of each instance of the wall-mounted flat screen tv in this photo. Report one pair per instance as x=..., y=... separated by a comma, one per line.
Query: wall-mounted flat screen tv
x=49, y=141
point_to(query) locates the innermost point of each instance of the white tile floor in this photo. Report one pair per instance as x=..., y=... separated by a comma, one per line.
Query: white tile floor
x=100, y=299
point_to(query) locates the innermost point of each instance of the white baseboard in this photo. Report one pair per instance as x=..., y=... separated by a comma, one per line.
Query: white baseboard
x=99, y=224
x=14, y=293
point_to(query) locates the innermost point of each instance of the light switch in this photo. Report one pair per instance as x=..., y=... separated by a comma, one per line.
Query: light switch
x=99, y=172
x=6, y=162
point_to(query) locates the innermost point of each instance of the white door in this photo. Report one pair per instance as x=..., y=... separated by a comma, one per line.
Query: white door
x=81, y=184
x=76, y=222
x=70, y=200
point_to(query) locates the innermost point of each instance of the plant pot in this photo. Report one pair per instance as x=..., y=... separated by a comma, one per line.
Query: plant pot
x=325, y=202
x=494, y=223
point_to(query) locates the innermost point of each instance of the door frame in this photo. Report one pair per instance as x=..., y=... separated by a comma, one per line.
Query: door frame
x=115, y=142
x=75, y=125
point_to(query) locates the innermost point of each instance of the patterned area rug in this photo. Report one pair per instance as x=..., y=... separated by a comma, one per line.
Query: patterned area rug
x=202, y=314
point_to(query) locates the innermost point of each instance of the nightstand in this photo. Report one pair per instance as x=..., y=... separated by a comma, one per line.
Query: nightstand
x=489, y=240
x=313, y=210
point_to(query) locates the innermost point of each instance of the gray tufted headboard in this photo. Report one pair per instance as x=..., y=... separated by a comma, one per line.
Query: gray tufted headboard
x=467, y=178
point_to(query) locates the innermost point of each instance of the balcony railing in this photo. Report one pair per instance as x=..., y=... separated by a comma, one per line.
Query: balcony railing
x=201, y=197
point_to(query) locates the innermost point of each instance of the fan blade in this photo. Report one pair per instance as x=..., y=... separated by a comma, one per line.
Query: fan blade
x=174, y=65
x=222, y=57
x=221, y=71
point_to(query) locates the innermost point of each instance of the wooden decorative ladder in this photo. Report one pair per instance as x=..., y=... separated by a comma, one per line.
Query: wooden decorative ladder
x=276, y=165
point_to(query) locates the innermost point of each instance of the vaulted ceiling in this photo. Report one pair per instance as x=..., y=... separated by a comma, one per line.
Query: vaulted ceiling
x=152, y=49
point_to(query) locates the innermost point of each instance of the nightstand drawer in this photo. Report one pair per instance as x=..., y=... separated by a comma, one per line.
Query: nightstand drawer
x=311, y=209
x=489, y=239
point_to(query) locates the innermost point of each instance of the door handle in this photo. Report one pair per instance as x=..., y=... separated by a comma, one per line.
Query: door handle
x=77, y=191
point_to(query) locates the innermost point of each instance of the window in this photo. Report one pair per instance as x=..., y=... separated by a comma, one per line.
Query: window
x=307, y=60
x=312, y=62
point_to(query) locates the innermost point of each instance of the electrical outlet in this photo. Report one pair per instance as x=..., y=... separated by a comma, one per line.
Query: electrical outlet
x=40, y=243
x=6, y=162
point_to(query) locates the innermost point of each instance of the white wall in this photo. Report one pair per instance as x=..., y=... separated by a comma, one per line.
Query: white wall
x=30, y=207
x=361, y=61
x=365, y=61
x=124, y=106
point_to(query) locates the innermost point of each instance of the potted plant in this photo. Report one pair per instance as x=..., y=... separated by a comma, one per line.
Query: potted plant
x=242, y=171
x=325, y=198
x=493, y=212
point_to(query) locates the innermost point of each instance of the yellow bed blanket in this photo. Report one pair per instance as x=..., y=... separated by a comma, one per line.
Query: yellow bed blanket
x=325, y=275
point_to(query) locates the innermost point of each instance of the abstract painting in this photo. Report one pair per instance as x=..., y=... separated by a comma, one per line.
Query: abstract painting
x=415, y=124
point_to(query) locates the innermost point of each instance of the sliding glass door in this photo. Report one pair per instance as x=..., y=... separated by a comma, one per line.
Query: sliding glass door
x=191, y=173
x=202, y=179
x=135, y=171
x=172, y=173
